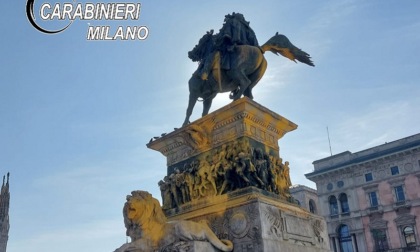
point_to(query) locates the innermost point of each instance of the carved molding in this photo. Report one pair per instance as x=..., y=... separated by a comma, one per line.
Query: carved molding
x=408, y=167
x=396, y=181
x=241, y=118
x=378, y=224
x=405, y=219
x=230, y=120
x=273, y=216
x=371, y=187
x=318, y=229
x=296, y=229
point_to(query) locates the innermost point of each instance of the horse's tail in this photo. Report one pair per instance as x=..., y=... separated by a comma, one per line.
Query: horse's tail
x=281, y=44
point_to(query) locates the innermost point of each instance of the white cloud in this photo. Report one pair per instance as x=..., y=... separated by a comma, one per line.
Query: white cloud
x=382, y=122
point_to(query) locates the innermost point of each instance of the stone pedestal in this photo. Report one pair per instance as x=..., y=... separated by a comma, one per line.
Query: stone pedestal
x=226, y=169
x=255, y=220
x=243, y=118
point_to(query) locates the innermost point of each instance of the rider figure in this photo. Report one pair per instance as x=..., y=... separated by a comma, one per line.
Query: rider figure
x=235, y=31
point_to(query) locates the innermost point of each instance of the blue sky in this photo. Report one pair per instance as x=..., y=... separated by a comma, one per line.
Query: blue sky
x=75, y=115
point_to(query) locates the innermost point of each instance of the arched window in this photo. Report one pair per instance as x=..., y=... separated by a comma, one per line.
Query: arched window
x=333, y=205
x=312, y=206
x=410, y=238
x=344, y=238
x=344, y=203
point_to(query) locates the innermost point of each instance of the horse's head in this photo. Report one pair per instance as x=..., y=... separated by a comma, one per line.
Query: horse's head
x=203, y=48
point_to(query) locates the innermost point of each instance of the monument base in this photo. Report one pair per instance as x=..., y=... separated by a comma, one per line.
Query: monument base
x=256, y=220
x=226, y=169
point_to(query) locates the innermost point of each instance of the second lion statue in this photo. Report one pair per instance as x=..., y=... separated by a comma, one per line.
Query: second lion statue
x=150, y=231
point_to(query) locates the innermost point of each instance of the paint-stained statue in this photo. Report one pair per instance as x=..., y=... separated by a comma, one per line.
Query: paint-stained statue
x=233, y=61
x=150, y=231
x=232, y=166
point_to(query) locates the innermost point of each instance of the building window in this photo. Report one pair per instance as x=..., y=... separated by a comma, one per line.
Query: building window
x=381, y=242
x=333, y=205
x=344, y=203
x=345, y=239
x=312, y=206
x=399, y=193
x=329, y=186
x=368, y=177
x=395, y=170
x=373, y=199
x=409, y=236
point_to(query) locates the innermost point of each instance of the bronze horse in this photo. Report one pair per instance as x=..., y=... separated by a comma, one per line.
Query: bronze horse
x=247, y=66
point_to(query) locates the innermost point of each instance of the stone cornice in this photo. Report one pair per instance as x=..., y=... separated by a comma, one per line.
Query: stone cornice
x=372, y=165
x=240, y=118
x=373, y=156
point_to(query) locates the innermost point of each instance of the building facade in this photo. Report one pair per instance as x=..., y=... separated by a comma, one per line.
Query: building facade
x=306, y=197
x=4, y=214
x=371, y=199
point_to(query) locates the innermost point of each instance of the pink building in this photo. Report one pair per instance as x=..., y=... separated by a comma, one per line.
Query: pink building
x=371, y=199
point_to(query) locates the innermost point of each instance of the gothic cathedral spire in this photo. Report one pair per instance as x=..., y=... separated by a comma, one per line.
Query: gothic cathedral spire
x=4, y=214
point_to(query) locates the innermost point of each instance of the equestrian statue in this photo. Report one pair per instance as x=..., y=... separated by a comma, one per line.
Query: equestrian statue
x=232, y=61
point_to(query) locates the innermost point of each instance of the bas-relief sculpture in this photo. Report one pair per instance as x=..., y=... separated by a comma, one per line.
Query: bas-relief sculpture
x=232, y=61
x=229, y=167
x=150, y=231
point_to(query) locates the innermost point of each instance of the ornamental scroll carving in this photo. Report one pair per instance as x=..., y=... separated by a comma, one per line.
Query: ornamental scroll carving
x=275, y=221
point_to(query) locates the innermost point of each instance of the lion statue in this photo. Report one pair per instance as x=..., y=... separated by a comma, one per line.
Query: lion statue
x=150, y=231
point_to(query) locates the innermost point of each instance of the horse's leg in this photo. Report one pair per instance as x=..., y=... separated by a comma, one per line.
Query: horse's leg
x=191, y=103
x=248, y=93
x=255, y=77
x=207, y=104
x=242, y=80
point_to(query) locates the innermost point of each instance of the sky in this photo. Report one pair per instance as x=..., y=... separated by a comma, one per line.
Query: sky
x=75, y=115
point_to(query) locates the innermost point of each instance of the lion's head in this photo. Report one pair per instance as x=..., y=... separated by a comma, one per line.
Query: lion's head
x=140, y=211
x=146, y=225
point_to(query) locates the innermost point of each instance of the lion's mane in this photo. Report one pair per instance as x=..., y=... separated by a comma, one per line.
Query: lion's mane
x=149, y=230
